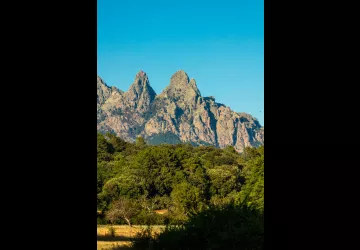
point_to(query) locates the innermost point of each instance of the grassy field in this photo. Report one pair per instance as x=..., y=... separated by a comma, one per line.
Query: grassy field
x=123, y=235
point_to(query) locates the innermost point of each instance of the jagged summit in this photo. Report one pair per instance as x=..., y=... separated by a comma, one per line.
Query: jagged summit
x=141, y=74
x=192, y=83
x=182, y=89
x=140, y=81
x=101, y=82
x=140, y=94
x=178, y=114
x=179, y=77
x=103, y=91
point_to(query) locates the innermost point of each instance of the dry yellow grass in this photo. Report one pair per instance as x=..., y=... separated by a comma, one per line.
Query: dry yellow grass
x=107, y=245
x=163, y=211
x=123, y=234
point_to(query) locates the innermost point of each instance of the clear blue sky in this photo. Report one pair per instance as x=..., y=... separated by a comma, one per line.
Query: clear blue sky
x=218, y=43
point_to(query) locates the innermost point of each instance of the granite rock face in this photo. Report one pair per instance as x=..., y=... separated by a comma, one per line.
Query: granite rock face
x=178, y=114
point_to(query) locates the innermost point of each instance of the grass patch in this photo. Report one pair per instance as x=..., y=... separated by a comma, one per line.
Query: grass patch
x=122, y=237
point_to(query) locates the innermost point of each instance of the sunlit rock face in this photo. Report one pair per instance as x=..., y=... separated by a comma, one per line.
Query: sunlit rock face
x=178, y=114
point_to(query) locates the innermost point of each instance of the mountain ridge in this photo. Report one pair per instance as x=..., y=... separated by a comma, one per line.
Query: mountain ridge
x=178, y=114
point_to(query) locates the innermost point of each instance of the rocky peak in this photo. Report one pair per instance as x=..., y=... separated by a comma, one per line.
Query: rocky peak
x=141, y=80
x=141, y=74
x=140, y=94
x=101, y=83
x=181, y=89
x=179, y=79
x=192, y=83
x=103, y=91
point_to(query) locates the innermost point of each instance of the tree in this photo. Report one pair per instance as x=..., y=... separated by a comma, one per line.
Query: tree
x=122, y=208
x=104, y=149
x=230, y=150
x=188, y=199
x=251, y=153
x=147, y=204
x=196, y=173
x=224, y=180
x=157, y=165
x=253, y=191
x=125, y=185
x=118, y=144
x=140, y=142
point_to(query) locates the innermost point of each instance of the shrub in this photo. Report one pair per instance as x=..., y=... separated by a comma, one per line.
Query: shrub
x=146, y=218
x=216, y=228
x=101, y=221
x=144, y=239
x=111, y=231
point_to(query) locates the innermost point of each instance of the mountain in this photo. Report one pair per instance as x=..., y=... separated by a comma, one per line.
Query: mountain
x=178, y=114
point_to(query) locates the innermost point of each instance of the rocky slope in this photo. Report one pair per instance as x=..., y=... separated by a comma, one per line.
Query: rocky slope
x=178, y=114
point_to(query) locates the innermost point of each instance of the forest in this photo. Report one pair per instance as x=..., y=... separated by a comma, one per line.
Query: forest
x=198, y=192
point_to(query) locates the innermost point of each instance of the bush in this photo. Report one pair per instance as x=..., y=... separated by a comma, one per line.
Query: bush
x=146, y=218
x=174, y=218
x=101, y=221
x=111, y=231
x=227, y=228
x=144, y=239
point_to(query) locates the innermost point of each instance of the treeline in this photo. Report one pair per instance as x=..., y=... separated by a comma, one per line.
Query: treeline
x=135, y=180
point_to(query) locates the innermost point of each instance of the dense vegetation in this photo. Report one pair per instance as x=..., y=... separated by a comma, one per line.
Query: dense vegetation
x=229, y=227
x=219, y=189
